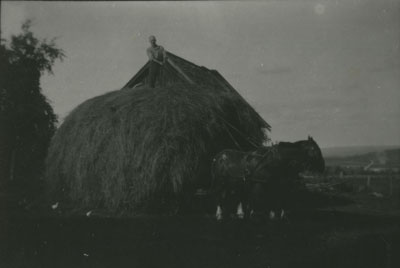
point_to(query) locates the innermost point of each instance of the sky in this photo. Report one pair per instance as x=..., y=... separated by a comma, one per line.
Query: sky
x=329, y=69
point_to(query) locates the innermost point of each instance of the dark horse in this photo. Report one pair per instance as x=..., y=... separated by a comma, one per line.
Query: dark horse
x=262, y=178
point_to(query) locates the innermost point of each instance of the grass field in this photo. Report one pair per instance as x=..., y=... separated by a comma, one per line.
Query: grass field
x=363, y=234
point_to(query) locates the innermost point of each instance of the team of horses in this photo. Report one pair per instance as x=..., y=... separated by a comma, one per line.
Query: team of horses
x=260, y=181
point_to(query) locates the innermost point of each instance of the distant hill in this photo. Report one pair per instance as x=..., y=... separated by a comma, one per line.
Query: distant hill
x=375, y=156
x=345, y=151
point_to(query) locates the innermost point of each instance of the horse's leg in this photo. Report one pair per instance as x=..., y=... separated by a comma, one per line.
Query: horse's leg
x=220, y=205
x=273, y=209
x=277, y=191
x=282, y=213
x=282, y=203
x=284, y=195
x=272, y=215
x=218, y=214
x=246, y=200
x=242, y=198
x=240, y=211
x=258, y=199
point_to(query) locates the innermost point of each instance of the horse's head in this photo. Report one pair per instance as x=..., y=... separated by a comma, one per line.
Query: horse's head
x=314, y=159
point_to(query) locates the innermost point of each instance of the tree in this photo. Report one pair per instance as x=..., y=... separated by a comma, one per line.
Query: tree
x=27, y=120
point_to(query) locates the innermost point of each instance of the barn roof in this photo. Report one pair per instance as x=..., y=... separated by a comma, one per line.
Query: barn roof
x=179, y=70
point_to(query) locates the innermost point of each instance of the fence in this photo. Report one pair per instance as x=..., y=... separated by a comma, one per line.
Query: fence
x=385, y=184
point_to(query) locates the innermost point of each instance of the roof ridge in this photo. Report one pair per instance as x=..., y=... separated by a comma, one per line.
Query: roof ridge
x=186, y=61
x=179, y=70
x=188, y=72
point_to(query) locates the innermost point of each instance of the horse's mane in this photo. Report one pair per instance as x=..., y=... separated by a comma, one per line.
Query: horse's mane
x=291, y=148
x=286, y=144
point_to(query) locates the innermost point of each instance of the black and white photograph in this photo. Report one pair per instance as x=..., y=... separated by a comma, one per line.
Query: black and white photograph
x=200, y=134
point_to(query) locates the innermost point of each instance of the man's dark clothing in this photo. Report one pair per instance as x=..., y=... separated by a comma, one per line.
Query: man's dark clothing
x=155, y=53
x=154, y=72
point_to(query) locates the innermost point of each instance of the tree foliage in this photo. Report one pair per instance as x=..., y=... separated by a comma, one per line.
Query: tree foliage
x=27, y=119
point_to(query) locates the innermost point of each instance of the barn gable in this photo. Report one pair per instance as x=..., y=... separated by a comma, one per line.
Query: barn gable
x=178, y=70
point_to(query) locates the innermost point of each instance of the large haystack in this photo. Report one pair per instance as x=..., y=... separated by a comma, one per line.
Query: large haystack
x=130, y=147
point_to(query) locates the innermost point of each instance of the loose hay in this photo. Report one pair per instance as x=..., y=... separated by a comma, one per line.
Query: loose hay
x=131, y=148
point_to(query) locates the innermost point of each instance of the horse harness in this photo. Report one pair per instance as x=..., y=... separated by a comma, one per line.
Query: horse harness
x=271, y=152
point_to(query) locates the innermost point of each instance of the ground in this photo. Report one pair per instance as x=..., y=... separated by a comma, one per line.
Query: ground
x=346, y=236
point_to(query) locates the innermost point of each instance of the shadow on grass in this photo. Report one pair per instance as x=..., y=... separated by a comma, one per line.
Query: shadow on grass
x=308, y=239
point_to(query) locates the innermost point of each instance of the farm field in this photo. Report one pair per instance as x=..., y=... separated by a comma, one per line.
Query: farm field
x=348, y=236
x=125, y=125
